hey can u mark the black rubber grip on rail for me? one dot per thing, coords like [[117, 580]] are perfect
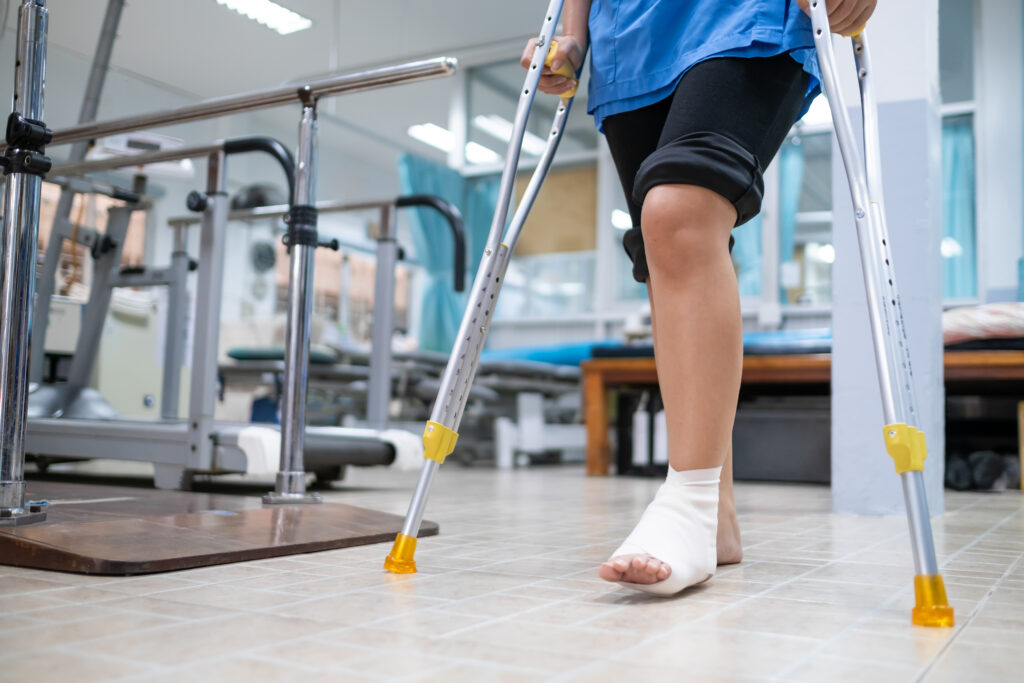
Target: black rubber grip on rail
[[126, 195], [454, 218], [271, 147]]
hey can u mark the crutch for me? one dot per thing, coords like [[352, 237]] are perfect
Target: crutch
[[442, 429], [904, 441]]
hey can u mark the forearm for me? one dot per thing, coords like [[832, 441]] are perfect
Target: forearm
[[575, 17]]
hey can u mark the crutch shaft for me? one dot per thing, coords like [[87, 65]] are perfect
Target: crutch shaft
[[904, 441], [441, 432]]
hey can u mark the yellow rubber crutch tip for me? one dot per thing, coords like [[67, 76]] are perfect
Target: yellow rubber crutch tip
[[400, 559], [932, 608]]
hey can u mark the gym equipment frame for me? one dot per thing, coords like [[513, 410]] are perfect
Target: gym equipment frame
[[25, 165]]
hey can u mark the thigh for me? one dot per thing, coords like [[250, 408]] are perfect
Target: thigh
[[632, 136], [752, 101]]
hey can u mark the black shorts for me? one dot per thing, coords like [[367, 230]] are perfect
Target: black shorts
[[720, 129]]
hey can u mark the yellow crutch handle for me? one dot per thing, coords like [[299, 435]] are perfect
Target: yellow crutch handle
[[564, 70]]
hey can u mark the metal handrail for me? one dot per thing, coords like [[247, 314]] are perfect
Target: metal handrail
[[261, 99]]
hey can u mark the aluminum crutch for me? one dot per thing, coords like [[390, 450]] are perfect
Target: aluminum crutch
[[442, 430], [903, 440]]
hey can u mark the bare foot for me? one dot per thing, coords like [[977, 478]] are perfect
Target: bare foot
[[642, 569]]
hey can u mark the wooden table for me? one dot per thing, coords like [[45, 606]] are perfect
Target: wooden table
[[601, 375]]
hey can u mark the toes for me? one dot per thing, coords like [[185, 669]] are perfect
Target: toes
[[652, 566], [663, 572], [609, 572]]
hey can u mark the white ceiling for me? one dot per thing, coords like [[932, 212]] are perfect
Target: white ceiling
[[205, 50]]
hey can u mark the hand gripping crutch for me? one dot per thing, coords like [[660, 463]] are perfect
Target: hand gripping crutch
[[904, 442], [442, 430]]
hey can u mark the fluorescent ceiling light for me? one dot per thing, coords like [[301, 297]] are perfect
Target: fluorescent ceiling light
[[443, 139], [478, 154], [433, 135], [621, 220], [500, 128], [270, 14]]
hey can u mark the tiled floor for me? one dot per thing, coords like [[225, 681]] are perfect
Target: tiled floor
[[508, 591]]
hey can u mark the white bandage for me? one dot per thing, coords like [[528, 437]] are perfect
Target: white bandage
[[679, 528]]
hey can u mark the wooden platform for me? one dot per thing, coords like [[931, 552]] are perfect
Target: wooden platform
[[119, 530]]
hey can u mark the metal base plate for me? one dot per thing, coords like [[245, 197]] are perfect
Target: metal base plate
[[276, 498], [23, 518]]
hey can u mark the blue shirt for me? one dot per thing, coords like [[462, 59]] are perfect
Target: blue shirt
[[640, 49]]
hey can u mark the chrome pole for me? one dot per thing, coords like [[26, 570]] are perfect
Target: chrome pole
[[22, 192], [378, 395], [290, 487], [90, 103]]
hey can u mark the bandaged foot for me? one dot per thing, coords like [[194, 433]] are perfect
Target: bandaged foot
[[673, 545]]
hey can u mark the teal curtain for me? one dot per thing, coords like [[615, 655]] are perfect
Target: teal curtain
[[441, 308], [959, 248], [746, 255], [791, 181]]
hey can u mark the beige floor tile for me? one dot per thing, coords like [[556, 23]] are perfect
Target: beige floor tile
[[64, 666], [172, 645], [15, 603], [311, 653], [396, 664], [786, 617], [241, 669], [723, 653], [526, 635], [495, 605], [475, 673], [147, 604], [355, 608], [622, 672], [228, 597], [838, 670], [912, 648], [965, 662], [654, 618]]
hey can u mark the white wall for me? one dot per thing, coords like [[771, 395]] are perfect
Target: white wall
[[999, 62]]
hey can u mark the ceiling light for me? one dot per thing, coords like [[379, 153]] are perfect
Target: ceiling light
[[621, 220], [478, 154], [270, 14], [443, 139], [501, 128], [433, 135]]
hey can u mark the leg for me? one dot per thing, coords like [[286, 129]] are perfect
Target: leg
[[698, 348], [729, 545]]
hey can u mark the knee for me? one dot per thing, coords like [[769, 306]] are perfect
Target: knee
[[684, 222]]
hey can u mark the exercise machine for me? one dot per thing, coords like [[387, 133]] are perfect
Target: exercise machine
[[25, 165]]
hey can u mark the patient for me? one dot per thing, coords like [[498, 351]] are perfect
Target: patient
[[695, 98]]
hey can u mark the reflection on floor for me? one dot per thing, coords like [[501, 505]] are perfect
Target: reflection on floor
[[508, 591]]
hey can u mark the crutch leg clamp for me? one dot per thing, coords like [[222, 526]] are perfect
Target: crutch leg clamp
[[438, 442], [906, 446]]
